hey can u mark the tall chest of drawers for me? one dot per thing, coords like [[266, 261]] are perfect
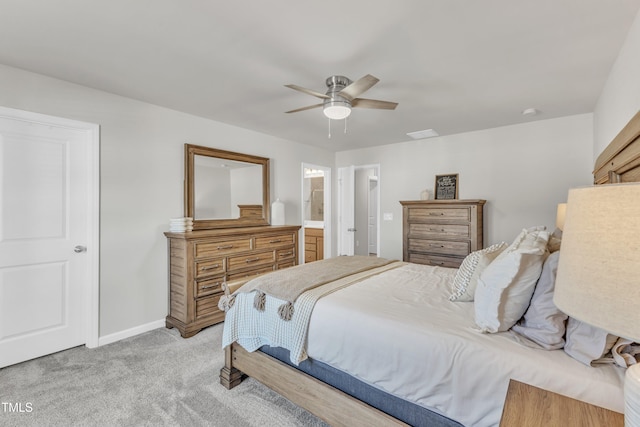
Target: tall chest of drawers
[[201, 261], [441, 232]]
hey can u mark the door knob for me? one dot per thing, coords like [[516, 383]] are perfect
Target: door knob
[[78, 249]]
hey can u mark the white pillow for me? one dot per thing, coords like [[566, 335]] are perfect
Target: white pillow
[[543, 323], [505, 287], [464, 284], [586, 343]]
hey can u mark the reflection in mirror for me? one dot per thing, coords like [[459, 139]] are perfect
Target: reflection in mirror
[[225, 189], [313, 194], [222, 187]]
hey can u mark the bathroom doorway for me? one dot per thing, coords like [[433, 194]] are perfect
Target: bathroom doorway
[[316, 212]]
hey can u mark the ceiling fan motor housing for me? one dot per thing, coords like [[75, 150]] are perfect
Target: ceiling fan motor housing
[[335, 85]]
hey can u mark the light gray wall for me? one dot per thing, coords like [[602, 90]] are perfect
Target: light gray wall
[[141, 175], [523, 172], [620, 98]]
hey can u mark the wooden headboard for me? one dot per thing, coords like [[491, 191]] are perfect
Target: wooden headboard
[[620, 160]]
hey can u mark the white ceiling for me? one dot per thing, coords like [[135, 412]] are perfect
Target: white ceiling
[[452, 65]]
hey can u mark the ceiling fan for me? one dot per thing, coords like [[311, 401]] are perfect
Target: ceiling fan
[[342, 94]]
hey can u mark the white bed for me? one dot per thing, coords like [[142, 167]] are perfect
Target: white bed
[[399, 332], [405, 337]]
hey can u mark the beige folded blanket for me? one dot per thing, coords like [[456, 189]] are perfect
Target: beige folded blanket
[[289, 283]]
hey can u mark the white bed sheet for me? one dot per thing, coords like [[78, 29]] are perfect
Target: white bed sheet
[[406, 338]]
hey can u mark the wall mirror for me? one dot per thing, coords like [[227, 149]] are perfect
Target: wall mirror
[[225, 189]]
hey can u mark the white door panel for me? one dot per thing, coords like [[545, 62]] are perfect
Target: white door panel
[[346, 209], [373, 216], [45, 211]]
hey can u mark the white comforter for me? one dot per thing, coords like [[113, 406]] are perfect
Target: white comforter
[[399, 332], [405, 337]]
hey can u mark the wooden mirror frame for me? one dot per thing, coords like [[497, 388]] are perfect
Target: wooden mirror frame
[[190, 151]]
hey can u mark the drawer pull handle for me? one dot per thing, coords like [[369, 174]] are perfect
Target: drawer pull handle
[[437, 263], [436, 214], [210, 267], [275, 241], [224, 247], [286, 254], [437, 246], [249, 260], [210, 286]]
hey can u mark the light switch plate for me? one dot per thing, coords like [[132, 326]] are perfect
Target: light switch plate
[[387, 216]]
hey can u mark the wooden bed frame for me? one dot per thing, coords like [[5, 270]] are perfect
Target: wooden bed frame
[[619, 162]]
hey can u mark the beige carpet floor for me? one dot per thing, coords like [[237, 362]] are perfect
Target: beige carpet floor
[[153, 379]]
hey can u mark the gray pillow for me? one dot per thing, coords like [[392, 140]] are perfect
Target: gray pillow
[[586, 343], [543, 323]]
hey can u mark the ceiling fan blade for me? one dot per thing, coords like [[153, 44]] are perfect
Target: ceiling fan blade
[[308, 91], [358, 87], [373, 103], [304, 108]]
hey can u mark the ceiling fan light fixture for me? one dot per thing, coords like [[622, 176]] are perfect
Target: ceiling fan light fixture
[[336, 109]]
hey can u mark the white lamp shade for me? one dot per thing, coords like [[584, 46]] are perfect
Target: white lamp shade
[[598, 279], [560, 215]]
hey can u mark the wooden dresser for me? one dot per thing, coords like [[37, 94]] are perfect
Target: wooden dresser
[[441, 232], [200, 261]]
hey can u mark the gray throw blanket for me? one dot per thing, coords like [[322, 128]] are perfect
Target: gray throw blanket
[[289, 283]]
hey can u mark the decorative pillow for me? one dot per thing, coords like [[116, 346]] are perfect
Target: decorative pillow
[[625, 352], [586, 343], [543, 323], [555, 240], [464, 284], [505, 287]]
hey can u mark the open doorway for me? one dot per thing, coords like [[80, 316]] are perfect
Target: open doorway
[[359, 210], [316, 212]]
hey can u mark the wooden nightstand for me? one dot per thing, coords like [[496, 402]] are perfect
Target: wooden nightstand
[[529, 406]]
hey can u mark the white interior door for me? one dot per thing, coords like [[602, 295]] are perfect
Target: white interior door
[[48, 235], [346, 210], [373, 215]]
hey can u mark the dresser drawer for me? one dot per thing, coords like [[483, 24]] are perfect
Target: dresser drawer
[[310, 256], [248, 274], [440, 231], [285, 264], [212, 249], [248, 260], [208, 307], [440, 247], [209, 267], [285, 254], [275, 240], [435, 260], [437, 214], [208, 286]]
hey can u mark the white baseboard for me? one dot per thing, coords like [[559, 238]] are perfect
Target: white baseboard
[[108, 339]]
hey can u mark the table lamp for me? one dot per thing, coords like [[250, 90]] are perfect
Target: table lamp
[[598, 278], [560, 215]]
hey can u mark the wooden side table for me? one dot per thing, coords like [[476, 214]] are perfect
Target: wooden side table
[[529, 406]]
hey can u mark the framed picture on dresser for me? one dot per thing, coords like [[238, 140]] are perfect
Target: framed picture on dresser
[[446, 187]]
